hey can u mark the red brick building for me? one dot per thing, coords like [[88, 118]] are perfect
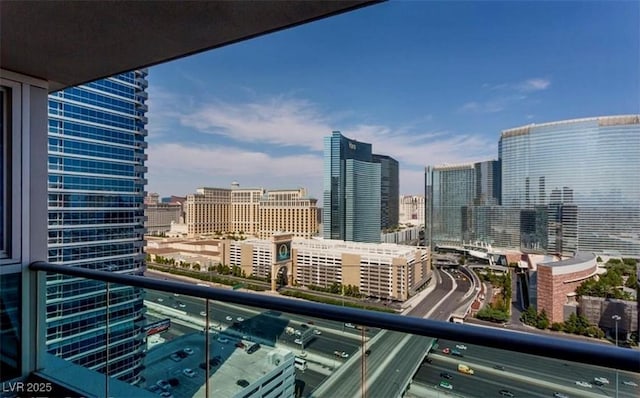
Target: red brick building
[[557, 281]]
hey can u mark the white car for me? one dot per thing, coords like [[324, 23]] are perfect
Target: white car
[[188, 372], [160, 299], [602, 380], [182, 305], [461, 346], [176, 294], [223, 340], [630, 383], [584, 384], [350, 325], [163, 384], [188, 350], [203, 313], [298, 341], [240, 319], [229, 318], [341, 354], [317, 332], [560, 395]]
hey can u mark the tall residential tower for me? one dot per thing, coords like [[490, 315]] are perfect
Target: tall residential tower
[[96, 221], [352, 184]]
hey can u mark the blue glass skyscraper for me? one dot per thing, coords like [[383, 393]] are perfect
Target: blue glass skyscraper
[[389, 191], [96, 157], [351, 208], [584, 174]]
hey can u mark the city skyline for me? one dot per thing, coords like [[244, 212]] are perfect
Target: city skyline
[[255, 112]]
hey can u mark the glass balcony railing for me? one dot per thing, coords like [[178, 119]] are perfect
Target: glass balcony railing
[[199, 341]]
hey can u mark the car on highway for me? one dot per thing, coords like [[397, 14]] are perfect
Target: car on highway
[[240, 319], [367, 352], [303, 326], [223, 340], [188, 372], [240, 344], [602, 380], [317, 332], [446, 350], [229, 318], [560, 395], [298, 341], [341, 354], [350, 325], [584, 384], [499, 367], [176, 294], [446, 384], [630, 383], [203, 313], [175, 357], [507, 393], [188, 350], [242, 383], [456, 353], [160, 299], [298, 333], [598, 383], [461, 346], [446, 375], [181, 305]]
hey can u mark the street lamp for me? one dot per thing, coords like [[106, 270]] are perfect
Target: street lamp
[[616, 318]]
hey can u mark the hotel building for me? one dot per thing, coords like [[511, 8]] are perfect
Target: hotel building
[[290, 211], [386, 271]]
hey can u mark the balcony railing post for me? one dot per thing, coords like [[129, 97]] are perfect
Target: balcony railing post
[[106, 373]]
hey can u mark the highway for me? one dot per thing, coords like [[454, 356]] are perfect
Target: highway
[[524, 375], [393, 354]]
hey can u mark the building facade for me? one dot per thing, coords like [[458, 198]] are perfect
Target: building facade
[[583, 174], [389, 190], [159, 216], [96, 157], [208, 211], [411, 209], [245, 213], [351, 191], [386, 271], [289, 211]]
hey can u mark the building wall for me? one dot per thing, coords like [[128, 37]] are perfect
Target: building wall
[[412, 209], [362, 201], [208, 211], [159, 217], [288, 211], [245, 210], [556, 282], [603, 155], [350, 268], [389, 190], [96, 219]]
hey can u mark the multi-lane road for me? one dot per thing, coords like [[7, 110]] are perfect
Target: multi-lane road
[[393, 357]]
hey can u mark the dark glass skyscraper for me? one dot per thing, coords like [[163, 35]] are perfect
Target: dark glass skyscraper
[[389, 190], [96, 190], [351, 208]]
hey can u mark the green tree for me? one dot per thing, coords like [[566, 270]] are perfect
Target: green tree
[[542, 321], [599, 259], [557, 326]]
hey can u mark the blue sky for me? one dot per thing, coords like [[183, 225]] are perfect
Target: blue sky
[[425, 82]]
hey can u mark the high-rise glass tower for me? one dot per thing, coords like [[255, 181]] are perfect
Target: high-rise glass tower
[[351, 208], [96, 220], [584, 174], [389, 190]]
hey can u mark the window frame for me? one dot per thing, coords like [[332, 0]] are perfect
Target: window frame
[[11, 158]]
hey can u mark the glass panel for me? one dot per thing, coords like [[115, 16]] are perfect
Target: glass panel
[[10, 329], [174, 359], [76, 333]]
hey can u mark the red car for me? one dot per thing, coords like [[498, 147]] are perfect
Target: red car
[[446, 351]]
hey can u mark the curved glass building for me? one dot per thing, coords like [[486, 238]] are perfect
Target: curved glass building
[[96, 220], [577, 183]]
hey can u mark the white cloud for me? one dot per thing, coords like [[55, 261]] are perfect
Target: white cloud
[[536, 84], [278, 123], [179, 169]]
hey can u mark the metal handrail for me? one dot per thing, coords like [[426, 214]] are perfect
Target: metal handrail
[[535, 344]]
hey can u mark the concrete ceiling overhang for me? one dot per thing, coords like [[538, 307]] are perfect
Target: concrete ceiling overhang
[[72, 42]]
